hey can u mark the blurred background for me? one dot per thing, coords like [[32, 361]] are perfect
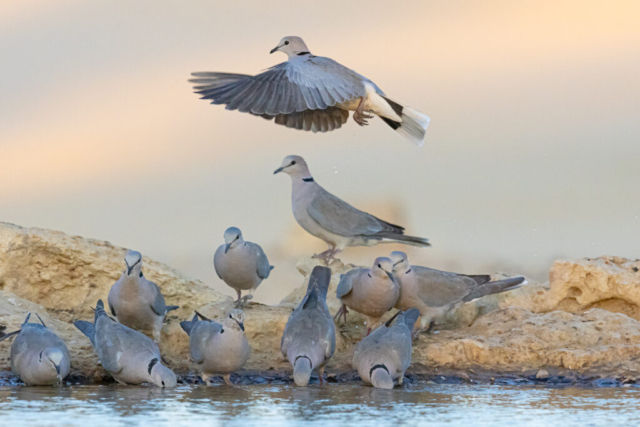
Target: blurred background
[[532, 154]]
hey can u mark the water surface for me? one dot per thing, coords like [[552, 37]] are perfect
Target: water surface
[[270, 405]]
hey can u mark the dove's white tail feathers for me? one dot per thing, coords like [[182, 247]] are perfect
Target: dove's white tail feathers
[[413, 126]]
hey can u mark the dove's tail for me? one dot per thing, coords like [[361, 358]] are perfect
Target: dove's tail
[[413, 126], [187, 325], [87, 328], [401, 238], [495, 287]]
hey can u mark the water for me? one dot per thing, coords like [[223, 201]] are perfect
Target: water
[[270, 405]]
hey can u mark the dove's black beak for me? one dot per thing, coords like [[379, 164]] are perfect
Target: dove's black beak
[[389, 274], [241, 325], [278, 170], [275, 49], [57, 369], [226, 247]]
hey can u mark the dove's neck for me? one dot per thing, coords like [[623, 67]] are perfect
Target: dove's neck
[[303, 54]]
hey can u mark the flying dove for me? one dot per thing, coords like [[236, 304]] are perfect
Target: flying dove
[[382, 357], [38, 355], [241, 265], [128, 355], [434, 293], [309, 338], [218, 349], [137, 302], [331, 219], [309, 92], [369, 291]]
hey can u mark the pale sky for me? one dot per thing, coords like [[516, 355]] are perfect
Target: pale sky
[[532, 153]]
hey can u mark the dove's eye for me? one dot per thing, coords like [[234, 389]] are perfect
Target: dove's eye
[[293, 162], [379, 266], [141, 274], [287, 42]]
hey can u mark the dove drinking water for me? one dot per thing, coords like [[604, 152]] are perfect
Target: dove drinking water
[[38, 355], [309, 92], [217, 348], [382, 357], [128, 355], [309, 338]]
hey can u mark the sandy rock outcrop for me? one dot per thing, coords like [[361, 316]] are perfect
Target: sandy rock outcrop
[[584, 320]]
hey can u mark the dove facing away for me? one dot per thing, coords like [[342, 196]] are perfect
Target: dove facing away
[[333, 220], [217, 348], [241, 265], [137, 302], [382, 357], [434, 293], [309, 338], [129, 356], [369, 291], [38, 355], [310, 93]]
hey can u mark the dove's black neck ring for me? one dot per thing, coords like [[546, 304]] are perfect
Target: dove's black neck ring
[[408, 271], [302, 355], [304, 53], [310, 179], [379, 366], [152, 364]]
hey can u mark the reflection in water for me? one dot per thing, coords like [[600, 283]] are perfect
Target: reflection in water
[[415, 404]]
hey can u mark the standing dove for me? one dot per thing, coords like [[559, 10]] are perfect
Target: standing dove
[[369, 291], [309, 338], [137, 302], [309, 92], [38, 355], [434, 293], [128, 355], [241, 265], [333, 220], [218, 349], [382, 357]]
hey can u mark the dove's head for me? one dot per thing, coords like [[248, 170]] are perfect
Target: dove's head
[[53, 359], [302, 370], [235, 319], [400, 262], [232, 238], [383, 268], [380, 377], [295, 167], [160, 375], [292, 46], [133, 259]]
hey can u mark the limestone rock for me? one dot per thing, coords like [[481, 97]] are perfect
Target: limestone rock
[[586, 319]]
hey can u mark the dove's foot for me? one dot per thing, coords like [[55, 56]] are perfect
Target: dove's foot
[[242, 301], [342, 312], [360, 116], [320, 374], [227, 380], [327, 256]]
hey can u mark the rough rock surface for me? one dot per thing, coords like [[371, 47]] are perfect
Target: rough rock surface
[[584, 321]]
